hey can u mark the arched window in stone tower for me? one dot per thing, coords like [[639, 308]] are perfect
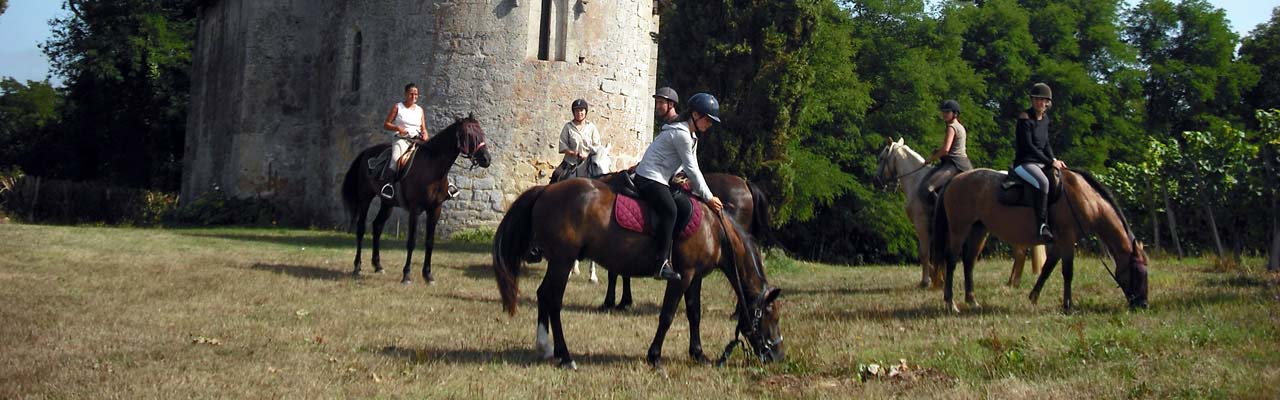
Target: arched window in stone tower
[[553, 29], [356, 56]]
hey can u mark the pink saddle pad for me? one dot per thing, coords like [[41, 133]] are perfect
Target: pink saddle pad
[[631, 215]]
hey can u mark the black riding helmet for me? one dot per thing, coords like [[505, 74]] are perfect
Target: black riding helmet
[[579, 104], [706, 104], [1041, 90], [950, 105]]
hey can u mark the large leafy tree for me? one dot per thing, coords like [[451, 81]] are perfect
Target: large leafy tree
[[1262, 49], [125, 64], [27, 113]]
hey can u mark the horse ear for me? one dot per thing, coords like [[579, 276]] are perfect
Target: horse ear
[[888, 140], [771, 295], [900, 140]]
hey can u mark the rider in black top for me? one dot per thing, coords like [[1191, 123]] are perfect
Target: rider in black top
[[1032, 153]]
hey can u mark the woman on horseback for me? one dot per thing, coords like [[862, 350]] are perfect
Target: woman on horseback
[[576, 139], [671, 151], [1032, 153], [408, 122], [952, 153]]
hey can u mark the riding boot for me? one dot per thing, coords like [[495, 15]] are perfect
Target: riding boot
[[389, 176], [665, 272], [1041, 207]]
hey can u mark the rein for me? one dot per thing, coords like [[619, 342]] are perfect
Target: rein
[[738, 332], [1080, 226]]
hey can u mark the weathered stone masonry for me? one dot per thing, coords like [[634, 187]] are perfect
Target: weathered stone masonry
[[285, 93]]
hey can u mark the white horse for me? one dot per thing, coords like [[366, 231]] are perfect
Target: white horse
[[597, 163], [897, 162]]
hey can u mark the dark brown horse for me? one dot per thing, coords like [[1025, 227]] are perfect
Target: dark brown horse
[[968, 210], [743, 202], [424, 187], [573, 220]]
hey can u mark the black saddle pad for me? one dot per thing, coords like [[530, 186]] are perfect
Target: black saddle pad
[[1015, 192]]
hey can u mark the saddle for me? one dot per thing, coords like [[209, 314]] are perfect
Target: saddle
[[1015, 192], [379, 162], [633, 214]]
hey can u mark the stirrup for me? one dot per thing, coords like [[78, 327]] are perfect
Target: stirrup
[[388, 191], [1046, 234], [453, 191], [665, 272]]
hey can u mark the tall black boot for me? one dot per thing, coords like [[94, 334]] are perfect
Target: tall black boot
[[665, 271], [1041, 207]]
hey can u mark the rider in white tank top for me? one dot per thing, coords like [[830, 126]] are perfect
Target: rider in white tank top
[[409, 118]]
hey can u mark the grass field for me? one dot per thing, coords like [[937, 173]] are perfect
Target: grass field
[[93, 312]]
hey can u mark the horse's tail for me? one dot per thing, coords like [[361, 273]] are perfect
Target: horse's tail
[[351, 190], [760, 217], [939, 232], [510, 243]]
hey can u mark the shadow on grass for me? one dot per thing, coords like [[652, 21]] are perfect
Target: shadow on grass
[[303, 271], [847, 291], [330, 241], [642, 308], [480, 357], [921, 312]]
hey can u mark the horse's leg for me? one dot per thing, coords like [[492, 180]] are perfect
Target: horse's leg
[[551, 296], [575, 268], [1019, 260], [379, 221], [693, 309], [608, 293], [922, 248], [593, 278], [363, 215], [433, 217], [408, 245], [1037, 258], [625, 303], [670, 301], [1068, 272], [949, 279], [543, 341], [1049, 263], [972, 247]]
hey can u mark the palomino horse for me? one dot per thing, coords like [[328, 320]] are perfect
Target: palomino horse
[[574, 219], [969, 210], [424, 187], [899, 163], [743, 201]]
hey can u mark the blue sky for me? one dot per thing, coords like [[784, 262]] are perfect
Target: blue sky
[[26, 24]]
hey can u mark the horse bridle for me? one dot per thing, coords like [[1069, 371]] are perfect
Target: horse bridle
[[750, 309], [894, 181], [463, 135], [1133, 254]]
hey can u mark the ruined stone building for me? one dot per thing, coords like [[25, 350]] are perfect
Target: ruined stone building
[[285, 93]]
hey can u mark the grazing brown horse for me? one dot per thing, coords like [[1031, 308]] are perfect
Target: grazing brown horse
[[424, 187], [743, 202], [969, 210], [574, 219]]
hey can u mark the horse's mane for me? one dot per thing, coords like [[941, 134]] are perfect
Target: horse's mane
[[749, 245], [1107, 195]]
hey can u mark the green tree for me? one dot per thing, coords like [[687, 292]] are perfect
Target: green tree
[[4, 6], [125, 64], [27, 113], [1262, 49], [1188, 51], [1269, 125]]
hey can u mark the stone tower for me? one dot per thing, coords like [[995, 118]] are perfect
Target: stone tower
[[285, 93]]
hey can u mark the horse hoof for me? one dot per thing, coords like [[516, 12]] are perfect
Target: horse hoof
[[952, 307], [1034, 297], [623, 306], [406, 282], [974, 304], [700, 359], [569, 365], [924, 284], [606, 307], [594, 279]]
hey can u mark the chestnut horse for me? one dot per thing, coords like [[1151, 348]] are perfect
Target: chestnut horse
[[899, 164], [573, 220], [424, 187], [743, 201], [969, 209]]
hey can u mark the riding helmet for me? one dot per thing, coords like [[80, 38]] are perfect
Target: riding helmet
[[579, 104], [950, 105], [706, 104], [667, 93], [1041, 90]]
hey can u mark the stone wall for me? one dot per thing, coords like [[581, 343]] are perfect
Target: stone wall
[[286, 93]]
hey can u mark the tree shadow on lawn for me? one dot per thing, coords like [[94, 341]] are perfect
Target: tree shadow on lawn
[[504, 356], [303, 271], [328, 241]]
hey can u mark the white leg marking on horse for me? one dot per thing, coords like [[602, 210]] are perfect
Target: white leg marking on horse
[[543, 342], [593, 273], [575, 268]]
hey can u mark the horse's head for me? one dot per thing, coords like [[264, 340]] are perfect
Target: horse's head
[[599, 162], [1132, 277], [471, 141], [760, 326], [886, 168]]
